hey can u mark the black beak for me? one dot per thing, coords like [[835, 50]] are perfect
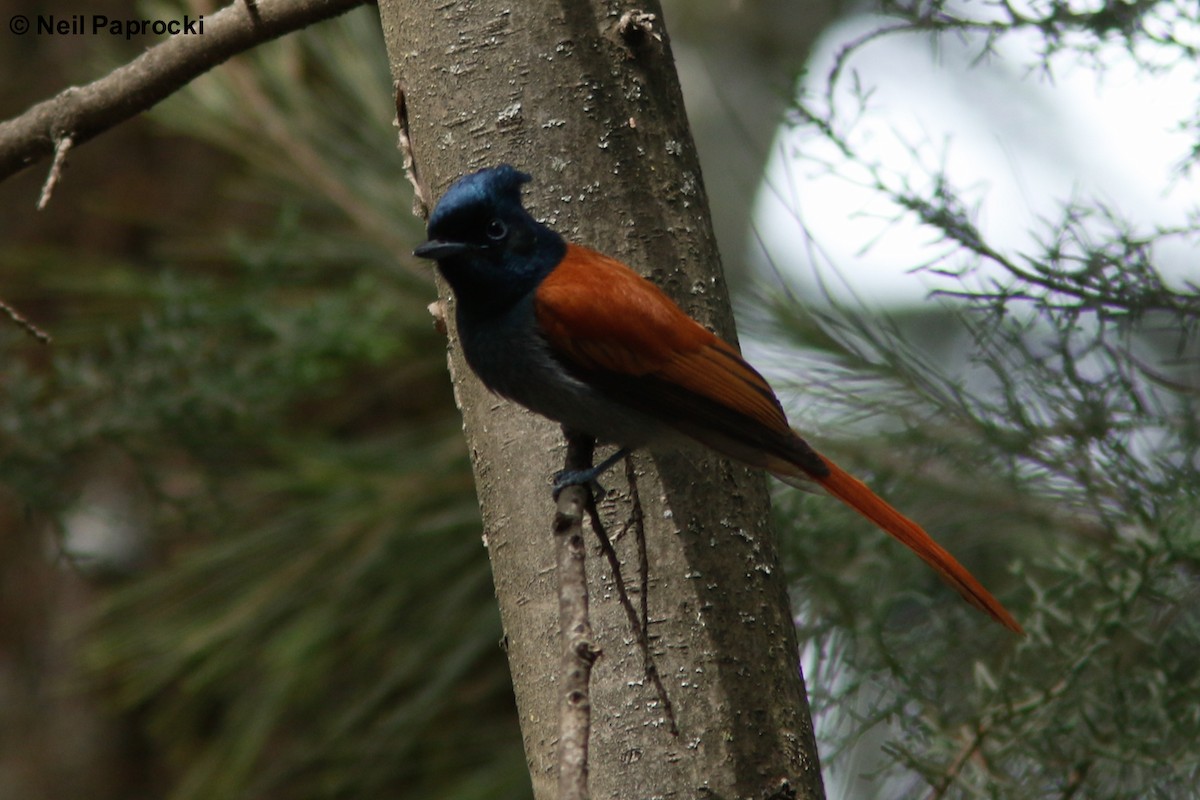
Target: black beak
[[437, 249]]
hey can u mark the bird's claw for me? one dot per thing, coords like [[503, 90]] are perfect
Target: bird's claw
[[587, 477], [578, 477]]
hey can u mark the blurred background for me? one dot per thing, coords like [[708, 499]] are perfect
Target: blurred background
[[239, 543]]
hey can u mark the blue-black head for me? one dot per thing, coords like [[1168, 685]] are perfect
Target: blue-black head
[[488, 247]]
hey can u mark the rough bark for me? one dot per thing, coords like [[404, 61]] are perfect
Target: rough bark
[[593, 111]]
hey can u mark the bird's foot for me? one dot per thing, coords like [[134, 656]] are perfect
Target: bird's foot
[[579, 477], [586, 477]]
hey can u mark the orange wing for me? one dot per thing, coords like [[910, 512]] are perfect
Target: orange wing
[[617, 330]]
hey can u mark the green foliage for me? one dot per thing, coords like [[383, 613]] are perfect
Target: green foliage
[[1048, 437], [308, 611]]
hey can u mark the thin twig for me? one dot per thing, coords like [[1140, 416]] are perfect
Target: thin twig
[[82, 113], [637, 521], [579, 650], [640, 629], [26, 325], [950, 774]]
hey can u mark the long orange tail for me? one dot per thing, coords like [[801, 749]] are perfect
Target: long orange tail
[[857, 495]]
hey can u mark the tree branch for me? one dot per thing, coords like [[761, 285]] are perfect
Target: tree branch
[[80, 113], [579, 651]]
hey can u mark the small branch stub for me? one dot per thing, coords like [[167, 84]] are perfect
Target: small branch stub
[[61, 148], [437, 310], [636, 28]]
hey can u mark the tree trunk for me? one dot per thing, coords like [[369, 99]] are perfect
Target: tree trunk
[[595, 114]]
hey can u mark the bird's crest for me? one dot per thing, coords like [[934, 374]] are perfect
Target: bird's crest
[[487, 189]]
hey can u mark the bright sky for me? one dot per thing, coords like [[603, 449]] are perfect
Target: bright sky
[[1016, 141]]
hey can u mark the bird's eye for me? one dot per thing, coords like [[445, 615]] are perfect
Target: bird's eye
[[496, 230]]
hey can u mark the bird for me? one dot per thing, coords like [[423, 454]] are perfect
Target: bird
[[581, 338]]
